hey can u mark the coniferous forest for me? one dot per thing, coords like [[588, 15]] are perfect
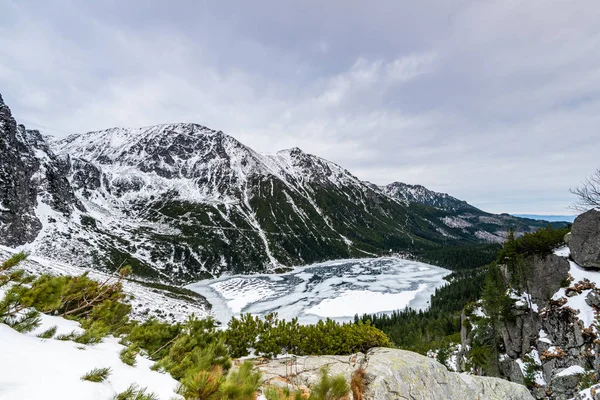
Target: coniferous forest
[[474, 276], [421, 331]]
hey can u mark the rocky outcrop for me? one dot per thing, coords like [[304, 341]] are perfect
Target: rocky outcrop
[[519, 332], [30, 174], [548, 273], [18, 194], [584, 241], [393, 374], [397, 374]]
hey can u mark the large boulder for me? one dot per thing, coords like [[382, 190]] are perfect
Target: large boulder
[[399, 374], [393, 374], [585, 239]]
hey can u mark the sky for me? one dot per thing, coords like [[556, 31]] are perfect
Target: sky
[[496, 102]]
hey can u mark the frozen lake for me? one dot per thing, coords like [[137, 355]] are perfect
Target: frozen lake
[[334, 289]]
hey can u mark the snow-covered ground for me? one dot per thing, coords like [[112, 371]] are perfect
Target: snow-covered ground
[[145, 301], [577, 302], [335, 289], [32, 368]]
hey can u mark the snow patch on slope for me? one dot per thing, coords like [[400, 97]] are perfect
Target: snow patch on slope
[[34, 368]]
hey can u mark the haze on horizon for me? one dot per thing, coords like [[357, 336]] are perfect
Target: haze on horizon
[[496, 102]]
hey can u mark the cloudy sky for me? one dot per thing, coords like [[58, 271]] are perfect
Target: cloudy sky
[[494, 102]]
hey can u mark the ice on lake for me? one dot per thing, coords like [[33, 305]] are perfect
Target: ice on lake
[[335, 289]]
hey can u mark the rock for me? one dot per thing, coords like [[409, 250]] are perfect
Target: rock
[[18, 194], [548, 273], [564, 387], [511, 370], [393, 374], [585, 239], [398, 374], [30, 173], [304, 371], [593, 298], [520, 332]]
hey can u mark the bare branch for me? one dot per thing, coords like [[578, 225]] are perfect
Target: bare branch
[[588, 193]]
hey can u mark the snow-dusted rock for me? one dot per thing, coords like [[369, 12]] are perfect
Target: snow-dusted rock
[[585, 239]]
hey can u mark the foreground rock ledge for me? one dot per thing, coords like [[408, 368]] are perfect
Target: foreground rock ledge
[[394, 374]]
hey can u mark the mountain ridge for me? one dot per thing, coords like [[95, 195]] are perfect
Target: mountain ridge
[[182, 202]]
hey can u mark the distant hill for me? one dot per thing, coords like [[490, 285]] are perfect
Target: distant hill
[[460, 217], [563, 218]]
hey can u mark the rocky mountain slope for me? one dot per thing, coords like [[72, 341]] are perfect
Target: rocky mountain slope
[[182, 202], [459, 215], [549, 337]]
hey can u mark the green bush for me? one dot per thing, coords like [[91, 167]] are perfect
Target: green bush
[[48, 333], [204, 385], [239, 384], [13, 261], [271, 336], [133, 392], [277, 393], [197, 347], [128, 354], [23, 322], [329, 388], [242, 383], [97, 305], [97, 375], [541, 243], [154, 336]]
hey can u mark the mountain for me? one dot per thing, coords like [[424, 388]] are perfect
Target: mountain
[[422, 195], [182, 202], [459, 215]]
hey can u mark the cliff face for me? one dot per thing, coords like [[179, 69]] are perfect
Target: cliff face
[[549, 340], [18, 195], [393, 374]]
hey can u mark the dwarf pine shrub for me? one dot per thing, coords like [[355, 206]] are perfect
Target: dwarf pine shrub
[[13, 261], [277, 393], [97, 375], [24, 322], [270, 336], [128, 354], [133, 392], [48, 333], [329, 388], [242, 383]]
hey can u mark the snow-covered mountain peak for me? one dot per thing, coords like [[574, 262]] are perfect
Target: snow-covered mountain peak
[[305, 167], [121, 144], [422, 195]]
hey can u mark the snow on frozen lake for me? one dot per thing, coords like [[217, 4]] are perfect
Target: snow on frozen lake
[[334, 289]]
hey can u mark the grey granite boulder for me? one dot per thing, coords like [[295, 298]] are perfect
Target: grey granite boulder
[[393, 374], [585, 239], [399, 374]]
